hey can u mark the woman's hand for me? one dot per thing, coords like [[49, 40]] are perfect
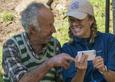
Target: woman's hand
[[81, 64]]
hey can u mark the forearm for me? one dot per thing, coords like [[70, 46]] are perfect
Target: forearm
[[37, 74], [79, 77], [109, 76]]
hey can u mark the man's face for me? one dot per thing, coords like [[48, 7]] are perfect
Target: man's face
[[80, 28], [45, 21]]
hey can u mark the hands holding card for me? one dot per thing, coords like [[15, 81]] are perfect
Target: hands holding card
[[81, 62], [83, 57], [90, 53]]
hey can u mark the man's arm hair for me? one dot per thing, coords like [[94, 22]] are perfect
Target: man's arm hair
[[37, 74]]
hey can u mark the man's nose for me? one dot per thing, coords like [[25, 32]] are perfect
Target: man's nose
[[53, 30]]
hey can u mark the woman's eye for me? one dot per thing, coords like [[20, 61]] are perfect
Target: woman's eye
[[72, 20]]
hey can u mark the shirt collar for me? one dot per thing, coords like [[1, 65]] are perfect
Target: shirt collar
[[78, 39]]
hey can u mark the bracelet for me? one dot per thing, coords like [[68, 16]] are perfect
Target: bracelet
[[104, 70]]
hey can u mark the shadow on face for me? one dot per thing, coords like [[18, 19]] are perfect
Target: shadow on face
[[46, 27], [80, 28]]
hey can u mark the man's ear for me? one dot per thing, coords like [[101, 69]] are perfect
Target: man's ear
[[31, 29]]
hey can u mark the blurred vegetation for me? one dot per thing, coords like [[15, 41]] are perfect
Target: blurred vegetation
[[1, 71], [6, 16], [99, 8]]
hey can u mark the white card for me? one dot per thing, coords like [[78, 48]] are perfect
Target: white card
[[91, 54]]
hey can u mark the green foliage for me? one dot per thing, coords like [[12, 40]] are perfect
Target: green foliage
[[1, 72], [1, 78], [99, 10], [0, 54], [6, 16], [62, 30]]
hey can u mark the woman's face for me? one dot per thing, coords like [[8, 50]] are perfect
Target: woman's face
[[80, 28]]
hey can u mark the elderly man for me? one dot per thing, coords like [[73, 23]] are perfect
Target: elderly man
[[85, 39], [31, 56]]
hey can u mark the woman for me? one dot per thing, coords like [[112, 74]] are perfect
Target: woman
[[84, 36]]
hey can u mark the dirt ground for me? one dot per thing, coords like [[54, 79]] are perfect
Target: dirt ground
[[7, 29], [10, 28]]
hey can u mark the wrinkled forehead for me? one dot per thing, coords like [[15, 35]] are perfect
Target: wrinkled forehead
[[45, 11], [45, 15]]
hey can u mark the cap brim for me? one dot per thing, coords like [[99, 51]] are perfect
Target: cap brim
[[76, 14]]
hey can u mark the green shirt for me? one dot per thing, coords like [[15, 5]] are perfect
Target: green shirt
[[19, 58]]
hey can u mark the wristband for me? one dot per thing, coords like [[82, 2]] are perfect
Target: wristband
[[104, 70]]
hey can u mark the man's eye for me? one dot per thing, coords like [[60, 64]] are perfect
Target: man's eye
[[72, 27], [72, 20], [51, 25]]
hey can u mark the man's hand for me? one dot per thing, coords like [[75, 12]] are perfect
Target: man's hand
[[60, 60]]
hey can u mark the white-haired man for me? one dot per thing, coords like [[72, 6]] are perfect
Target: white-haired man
[[31, 56]]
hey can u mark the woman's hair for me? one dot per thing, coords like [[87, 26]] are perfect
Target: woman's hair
[[93, 30]]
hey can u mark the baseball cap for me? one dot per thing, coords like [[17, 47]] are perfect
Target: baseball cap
[[80, 9]]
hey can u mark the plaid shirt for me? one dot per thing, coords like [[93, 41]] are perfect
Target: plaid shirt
[[19, 58]]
